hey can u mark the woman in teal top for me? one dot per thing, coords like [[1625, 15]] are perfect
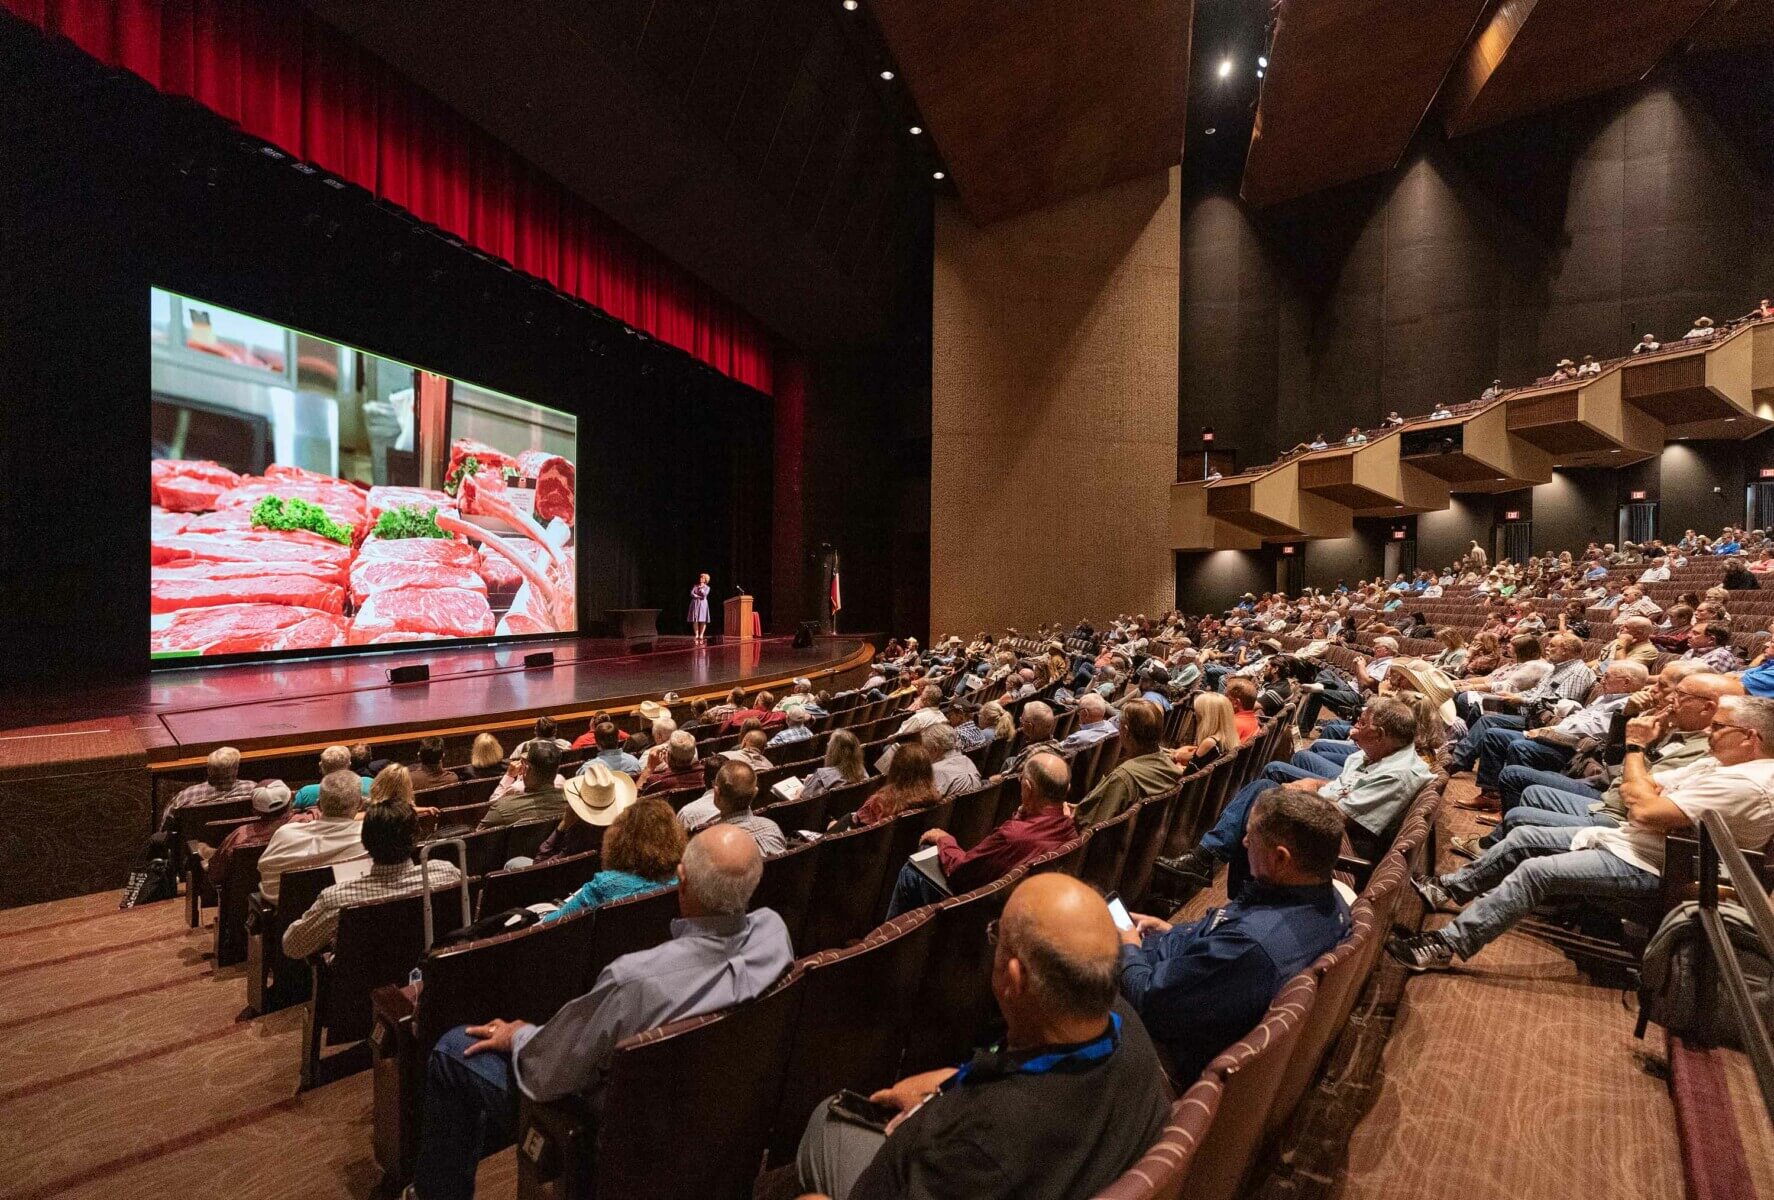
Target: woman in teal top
[[640, 854]]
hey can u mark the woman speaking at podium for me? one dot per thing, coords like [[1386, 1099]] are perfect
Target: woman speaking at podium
[[698, 617]]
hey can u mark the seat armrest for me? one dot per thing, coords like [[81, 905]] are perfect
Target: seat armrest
[[553, 1149]]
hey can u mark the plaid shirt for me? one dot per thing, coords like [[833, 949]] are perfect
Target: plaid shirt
[[205, 793], [314, 930], [1569, 680]]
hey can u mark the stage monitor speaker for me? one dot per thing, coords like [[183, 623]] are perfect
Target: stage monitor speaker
[[417, 673], [542, 658], [804, 634]]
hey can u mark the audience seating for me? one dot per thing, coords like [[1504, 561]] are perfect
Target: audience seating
[[736, 1057], [378, 943], [536, 883], [1159, 1174], [232, 899]]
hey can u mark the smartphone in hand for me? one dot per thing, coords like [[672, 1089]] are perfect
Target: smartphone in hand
[[1118, 911], [858, 1109]]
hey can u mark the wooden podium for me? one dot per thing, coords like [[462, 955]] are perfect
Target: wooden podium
[[736, 619]]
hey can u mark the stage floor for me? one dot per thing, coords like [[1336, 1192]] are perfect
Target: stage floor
[[182, 714]]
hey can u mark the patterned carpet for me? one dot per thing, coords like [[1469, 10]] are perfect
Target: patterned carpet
[[127, 1070]]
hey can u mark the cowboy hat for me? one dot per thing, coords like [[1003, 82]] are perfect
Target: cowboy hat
[[598, 794], [1565, 362], [652, 710], [1703, 322]]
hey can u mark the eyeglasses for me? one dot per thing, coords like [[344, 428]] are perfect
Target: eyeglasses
[[1721, 726]]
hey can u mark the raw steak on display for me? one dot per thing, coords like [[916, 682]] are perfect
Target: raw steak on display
[[501, 573], [343, 502], [188, 485], [388, 574], [248, 629], [324, 571], [447, 551], [174, 590], [427, 611], [251, 546], [164, 524], [463, 449], [384, 497], [554, 483]]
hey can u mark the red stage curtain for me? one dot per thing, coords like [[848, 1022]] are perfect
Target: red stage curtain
[[287, 77]]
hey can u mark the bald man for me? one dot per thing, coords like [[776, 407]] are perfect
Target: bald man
[[1071, 1099], [718, 956]]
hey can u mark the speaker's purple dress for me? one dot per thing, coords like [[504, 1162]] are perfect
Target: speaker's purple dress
[[698, 605]]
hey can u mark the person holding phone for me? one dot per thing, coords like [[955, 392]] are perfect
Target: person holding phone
[[1069, 1100], [1202, 986]]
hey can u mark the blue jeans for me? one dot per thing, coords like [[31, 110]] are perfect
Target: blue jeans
[[1535, 863], [1215, 676], [470, 1112], [1335, 749], [1467, 752], [1517, 780], [1340, 699], [1317, 765], [1506, 747], [913, 889], [1226, 839], [1335, 730]]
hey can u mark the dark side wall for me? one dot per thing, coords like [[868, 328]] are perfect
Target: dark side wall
[[1490, 256]]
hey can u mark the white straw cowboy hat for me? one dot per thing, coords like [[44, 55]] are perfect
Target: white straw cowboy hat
[[599, 794], [652, 710]]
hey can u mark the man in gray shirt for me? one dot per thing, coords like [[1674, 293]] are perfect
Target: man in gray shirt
[[718, 956], [729, 803]]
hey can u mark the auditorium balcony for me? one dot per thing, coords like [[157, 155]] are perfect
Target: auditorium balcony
[[1717, 388]]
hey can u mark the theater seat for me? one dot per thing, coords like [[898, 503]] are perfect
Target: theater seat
[[1251, 1071], [957, 1011], [537, 883], [659, 1138], [1160, 1172], [850, 1024], [786, 888], [526, 975], [849, 880]]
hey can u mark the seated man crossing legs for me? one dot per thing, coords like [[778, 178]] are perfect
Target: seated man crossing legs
[[1551, 745], [1534, 864], [1372, 788], [1533, 797]]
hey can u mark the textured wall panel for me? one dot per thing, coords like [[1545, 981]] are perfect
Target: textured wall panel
[[1053, 410]]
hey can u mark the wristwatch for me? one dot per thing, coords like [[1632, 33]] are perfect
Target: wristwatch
[[1634, 748]]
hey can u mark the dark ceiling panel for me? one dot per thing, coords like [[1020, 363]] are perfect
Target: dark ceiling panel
[[1534, 54], [1347, 85], [748, 140], [1039, 100], [1735, 24]]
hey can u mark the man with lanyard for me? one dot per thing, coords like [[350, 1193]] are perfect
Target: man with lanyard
[[1070, 1099]]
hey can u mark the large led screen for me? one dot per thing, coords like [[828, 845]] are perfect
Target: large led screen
[[310, 497]]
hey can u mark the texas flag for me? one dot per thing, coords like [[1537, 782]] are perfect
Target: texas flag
[[836, 597]]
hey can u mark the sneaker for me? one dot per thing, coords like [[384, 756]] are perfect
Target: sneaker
[[1193, 869], [1466, 846], [1435, 897], [1426, 952], [1311, 687]]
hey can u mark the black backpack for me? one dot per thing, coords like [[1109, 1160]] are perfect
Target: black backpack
[[1680, 989], [154, 881]]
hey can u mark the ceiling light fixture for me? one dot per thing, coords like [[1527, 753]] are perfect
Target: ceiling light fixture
[[916, 130], [1209, 131], [1225, 67], [849, 5], [936, 175], [1259, 72], [1262, 60], [886, 74]]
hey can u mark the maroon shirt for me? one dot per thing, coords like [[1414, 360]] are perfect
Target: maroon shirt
[[1004, 849], [672, 781], [254, 833]]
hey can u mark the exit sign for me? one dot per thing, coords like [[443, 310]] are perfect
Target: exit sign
[[1513, 514], [1638, 495], [1398, 535], [1287, 551], [1767, 472]]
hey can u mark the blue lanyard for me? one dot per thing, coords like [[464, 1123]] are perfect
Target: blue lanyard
[[1041, 1064]]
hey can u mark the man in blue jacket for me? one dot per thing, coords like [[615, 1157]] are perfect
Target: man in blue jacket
[[1200, 987]]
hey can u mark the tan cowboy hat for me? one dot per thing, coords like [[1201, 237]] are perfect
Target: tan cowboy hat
[[599, 794], [1703, 322], [652, 710], [1565, 362]]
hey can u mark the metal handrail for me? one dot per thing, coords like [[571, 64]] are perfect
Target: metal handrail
[[1718, 847]]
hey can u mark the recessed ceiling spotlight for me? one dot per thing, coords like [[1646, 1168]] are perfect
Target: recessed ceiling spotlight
[[1225, 67], [936, 175], [1209, 131], [1259, 72], [1728, 420], [1613, 452], [849, 5], [916, 130], [886, 74], [1500, 479], [1262, 60]]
